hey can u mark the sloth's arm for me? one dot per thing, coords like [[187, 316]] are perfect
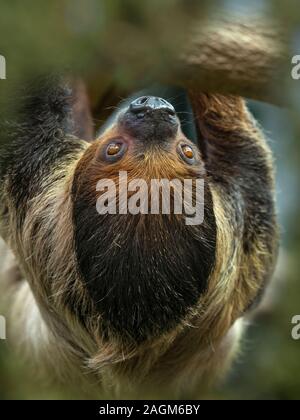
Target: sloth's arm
[[240, 174], [39, 142], [236, 155], [234, 148]]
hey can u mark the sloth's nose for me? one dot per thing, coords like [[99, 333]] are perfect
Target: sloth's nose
[[151, 103], [150, 118]]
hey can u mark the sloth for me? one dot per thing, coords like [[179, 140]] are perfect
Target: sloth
[[134, 303]]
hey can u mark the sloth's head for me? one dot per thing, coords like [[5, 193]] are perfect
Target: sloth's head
[[142, 257]]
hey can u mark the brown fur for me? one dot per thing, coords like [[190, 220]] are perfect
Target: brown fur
[[201, 347]]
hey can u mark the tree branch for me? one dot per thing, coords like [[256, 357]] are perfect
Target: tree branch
[[230, 57]]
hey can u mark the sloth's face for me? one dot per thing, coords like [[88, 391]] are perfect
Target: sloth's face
[[143, 265]]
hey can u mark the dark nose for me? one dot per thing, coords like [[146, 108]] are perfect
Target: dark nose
[[150, 118], [147, 103]]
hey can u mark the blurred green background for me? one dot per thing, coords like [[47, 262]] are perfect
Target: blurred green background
[[120, 40]]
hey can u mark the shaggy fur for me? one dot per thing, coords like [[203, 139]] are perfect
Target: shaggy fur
[[134, 303]]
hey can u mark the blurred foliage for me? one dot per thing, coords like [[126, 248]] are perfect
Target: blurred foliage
[[105, 40], [132, 42]]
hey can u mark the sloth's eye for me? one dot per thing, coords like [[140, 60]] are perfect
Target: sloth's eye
[[187, 153], [115, 150]]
